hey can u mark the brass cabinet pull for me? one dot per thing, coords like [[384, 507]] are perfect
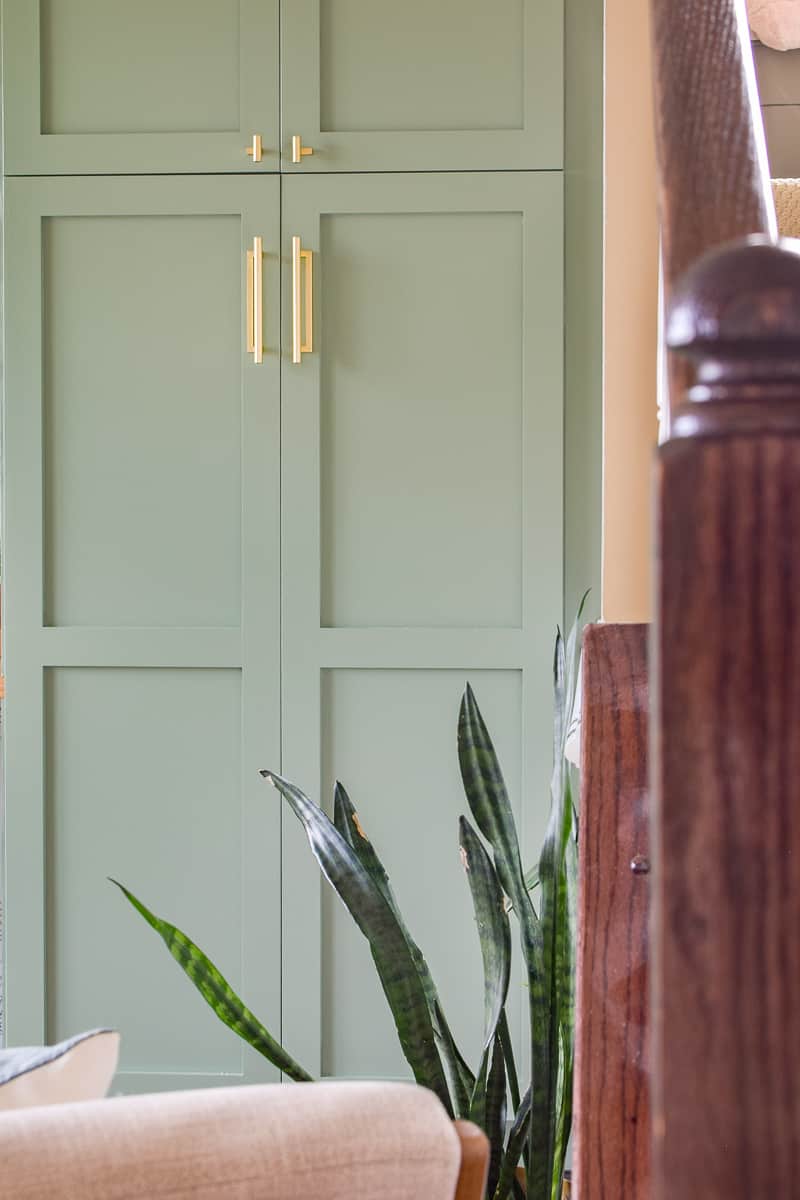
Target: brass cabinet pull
[[299, 151], [255, 301], [255, 150], [301, 346]]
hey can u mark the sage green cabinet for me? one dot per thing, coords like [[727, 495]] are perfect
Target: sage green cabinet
[[142, 605], [270, 512], [373, 85], [421, 547], [108, 86]]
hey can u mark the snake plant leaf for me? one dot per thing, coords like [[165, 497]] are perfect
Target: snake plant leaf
[[563, 1112], [566, 932], [346, 820], [488, 1109], [558, 879], [508, 1055], [487, 797], [494, 930], [461, 1078], [217, 992], [514, 1148], [532, 879], [372, 913], [572, 655], [348, 823], [560, 719], [488, 801]]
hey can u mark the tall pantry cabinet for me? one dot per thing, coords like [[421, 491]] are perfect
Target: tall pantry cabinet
[[282, 469]]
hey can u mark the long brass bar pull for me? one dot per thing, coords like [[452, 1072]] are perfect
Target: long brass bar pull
[[255, 300], [302, 345]]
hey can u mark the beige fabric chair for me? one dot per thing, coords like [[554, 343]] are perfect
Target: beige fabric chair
[[775, 22], [322, 1141], [787, 206]]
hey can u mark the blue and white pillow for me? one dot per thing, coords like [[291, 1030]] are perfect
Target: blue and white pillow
[[81, 1068]]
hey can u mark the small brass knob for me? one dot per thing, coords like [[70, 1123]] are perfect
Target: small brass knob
[[299, 151], [255, 151]]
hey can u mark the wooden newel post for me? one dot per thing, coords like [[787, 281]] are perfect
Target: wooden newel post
[[726, 739]]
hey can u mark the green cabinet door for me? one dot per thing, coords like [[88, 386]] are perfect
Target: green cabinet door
[[141, 592], [423, 85], [110, 87], [421, 547]]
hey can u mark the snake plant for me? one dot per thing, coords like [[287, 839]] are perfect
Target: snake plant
[[536, 1133]]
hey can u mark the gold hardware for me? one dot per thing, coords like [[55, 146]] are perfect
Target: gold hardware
[[299, 151], [256, 150], [255, 301], [299, 345]]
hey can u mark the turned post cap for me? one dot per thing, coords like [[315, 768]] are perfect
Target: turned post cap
[[741, 300], [736, 315]]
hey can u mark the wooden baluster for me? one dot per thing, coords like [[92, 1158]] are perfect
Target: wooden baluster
[[714, 181], [612, 1104], [726, 748]]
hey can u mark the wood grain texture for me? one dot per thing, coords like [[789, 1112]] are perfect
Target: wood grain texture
[[474, 1161], [726, 820], [714, 181], [612, 1144]]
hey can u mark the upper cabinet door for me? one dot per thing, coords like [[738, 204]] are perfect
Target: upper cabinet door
[[423, 85], [106, 86]]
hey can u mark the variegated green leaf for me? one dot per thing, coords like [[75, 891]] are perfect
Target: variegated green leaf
[[557, 903], [488, 801], [217, 992], [494, 931], [508, 1055], [369, 908], [488, 1108], [515, 1145], [487, 797], [563, 1113], [348, 823], [532, 879]]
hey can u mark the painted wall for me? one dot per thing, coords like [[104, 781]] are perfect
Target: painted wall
[[630, 307]]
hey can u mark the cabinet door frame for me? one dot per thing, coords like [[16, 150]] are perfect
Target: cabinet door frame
[[29, 151], [309, 648], [538, 146], [31, 646]]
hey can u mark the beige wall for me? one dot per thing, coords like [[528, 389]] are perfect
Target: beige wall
[[630, 313]]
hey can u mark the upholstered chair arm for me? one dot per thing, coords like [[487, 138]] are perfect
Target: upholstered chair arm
[[326, 1141]]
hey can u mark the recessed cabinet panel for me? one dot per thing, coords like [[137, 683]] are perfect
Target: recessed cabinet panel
[[421, 395], [390, 737], [142, 611], [142, 419], [467, 59], [422, 547], [106, 86], [108, 66], [372, 85], [144, 785]]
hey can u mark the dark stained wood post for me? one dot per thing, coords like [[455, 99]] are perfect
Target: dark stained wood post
[[713, 176], [714, 182], [726, 745], [612, 1105]]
